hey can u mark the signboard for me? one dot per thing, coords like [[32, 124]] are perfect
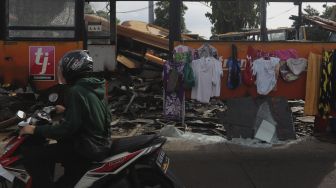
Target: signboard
[[95, 28], [42, 63]]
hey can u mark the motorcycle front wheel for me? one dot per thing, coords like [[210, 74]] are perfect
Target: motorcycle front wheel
[[16, 184]]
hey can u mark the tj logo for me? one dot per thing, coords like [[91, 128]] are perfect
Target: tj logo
[[42, 62], [45, 59]]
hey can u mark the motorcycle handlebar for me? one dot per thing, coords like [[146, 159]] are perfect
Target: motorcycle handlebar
[[20, 118], [7, 123]]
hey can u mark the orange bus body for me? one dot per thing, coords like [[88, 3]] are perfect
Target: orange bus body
[[14, 60]]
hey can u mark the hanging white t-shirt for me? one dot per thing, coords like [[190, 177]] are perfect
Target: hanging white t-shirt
[[217, 73], [194, 65], [203, 69], [265, 71], [208, 72]]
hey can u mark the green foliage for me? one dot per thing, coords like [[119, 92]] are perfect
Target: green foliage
[[314, 33], [103, 14], [328, 12], [310, 11], [88, 9], [162, 15], [317, 34], [229, 16]]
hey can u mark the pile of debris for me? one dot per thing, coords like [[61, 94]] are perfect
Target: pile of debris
[[137, 109], [304, 125], [13, 99], [136, 105]]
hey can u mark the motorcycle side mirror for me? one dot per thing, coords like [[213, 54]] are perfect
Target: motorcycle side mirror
[[21, 114]]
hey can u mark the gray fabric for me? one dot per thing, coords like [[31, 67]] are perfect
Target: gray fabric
[[235, 125], [297, 66], [244, 116], [283, 116], [241, 107], [264, 113]]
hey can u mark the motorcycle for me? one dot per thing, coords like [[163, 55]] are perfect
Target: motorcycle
[[135, 162]]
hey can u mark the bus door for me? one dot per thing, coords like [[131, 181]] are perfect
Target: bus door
[[100, 34]]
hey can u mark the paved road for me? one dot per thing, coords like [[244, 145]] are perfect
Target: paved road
[[308, 164]]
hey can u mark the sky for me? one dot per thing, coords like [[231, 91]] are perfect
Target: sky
[[196, 22]]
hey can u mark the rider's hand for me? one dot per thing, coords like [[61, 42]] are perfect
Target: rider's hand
[[59, 109], [29, 129]]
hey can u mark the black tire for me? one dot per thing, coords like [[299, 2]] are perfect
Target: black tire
[[16, 184], [151, 178]]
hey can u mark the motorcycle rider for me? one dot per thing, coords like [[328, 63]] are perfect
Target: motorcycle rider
[[84, 134]]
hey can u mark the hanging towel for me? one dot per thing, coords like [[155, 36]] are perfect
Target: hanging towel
[[333, 82], [313, 84], [325, 85]]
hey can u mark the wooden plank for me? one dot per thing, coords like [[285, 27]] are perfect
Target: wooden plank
[[128, 62], [154, 59], [148, 39]]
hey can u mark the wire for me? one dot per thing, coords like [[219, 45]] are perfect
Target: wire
[[204, 4], [135, 10], [281, 13]]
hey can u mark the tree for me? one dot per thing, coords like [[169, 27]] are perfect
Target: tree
[[330, 11], [310, 11], [313, 33], [88, 9], [162, 15], [103, 14], [228, 16]]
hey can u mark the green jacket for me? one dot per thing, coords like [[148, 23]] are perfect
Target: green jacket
[[86, 112]]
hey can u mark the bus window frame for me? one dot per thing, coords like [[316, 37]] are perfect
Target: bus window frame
[[113, 30], [77, 28], [2, 20]]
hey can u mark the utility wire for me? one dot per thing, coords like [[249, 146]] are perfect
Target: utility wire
[[204, 4], [281, 13], [135, 10]]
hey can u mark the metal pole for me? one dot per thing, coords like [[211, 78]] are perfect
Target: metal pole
[[298, 26], [175, 9], [113, 23], [150, 12], [263, 17]]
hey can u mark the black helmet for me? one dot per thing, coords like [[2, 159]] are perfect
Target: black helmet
[[76, 64]]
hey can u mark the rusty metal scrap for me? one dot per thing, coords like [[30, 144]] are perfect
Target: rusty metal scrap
[[324, 23]]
